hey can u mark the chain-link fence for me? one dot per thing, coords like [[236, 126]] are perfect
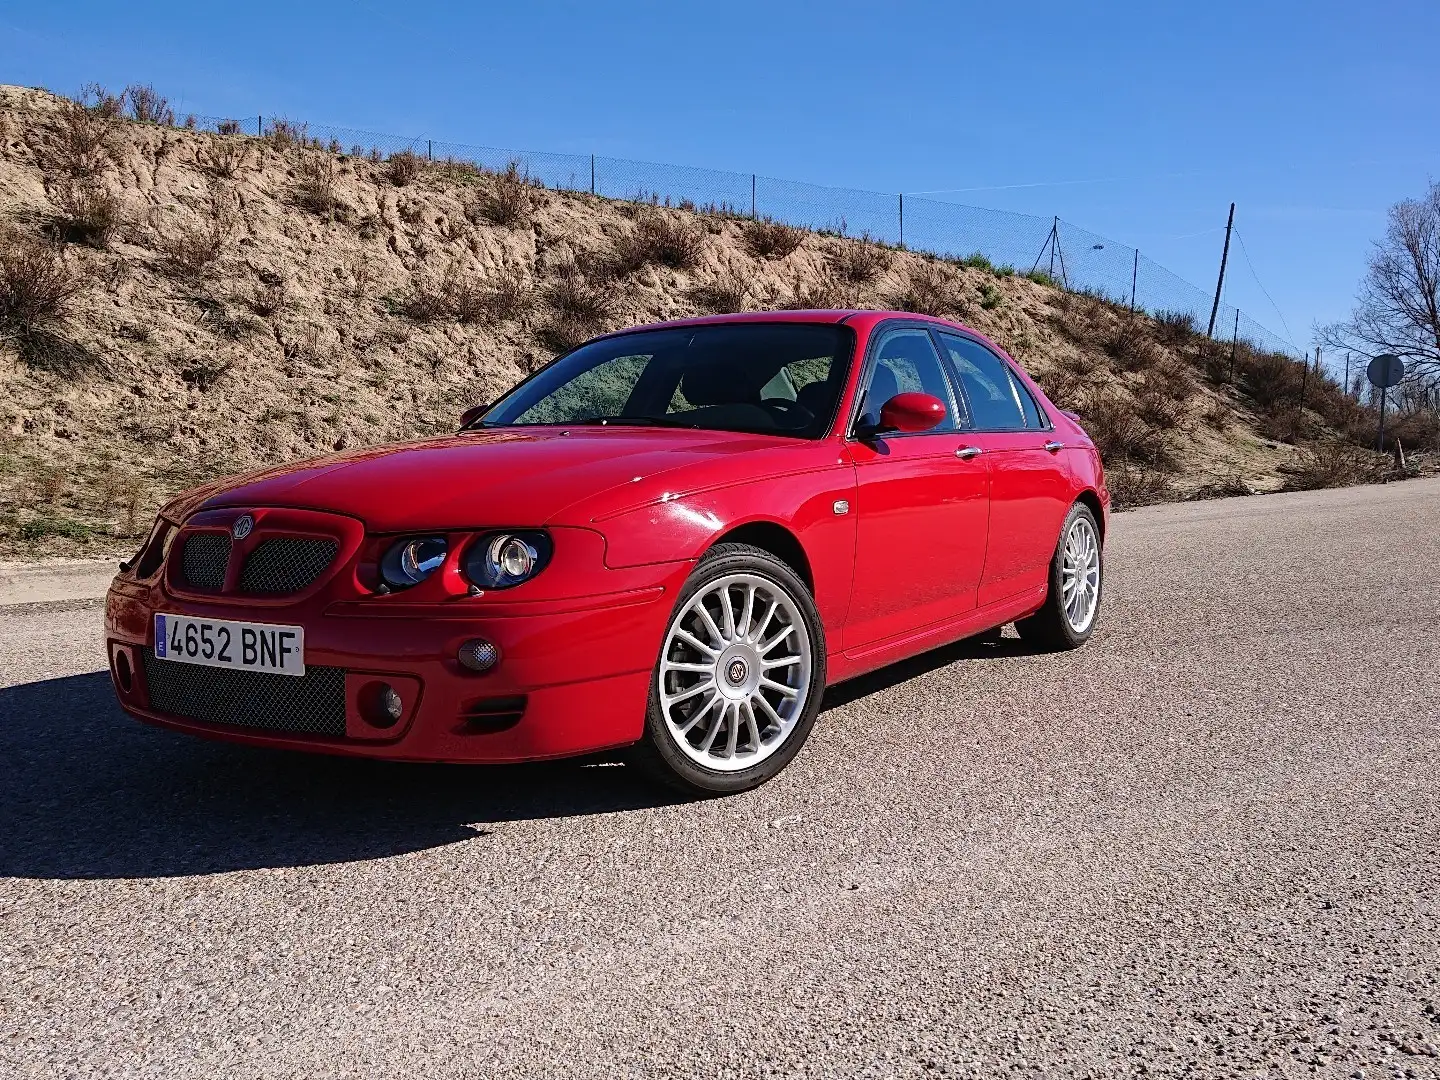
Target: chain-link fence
[[1073, 257]]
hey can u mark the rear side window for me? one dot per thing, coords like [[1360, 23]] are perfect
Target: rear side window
[[1034, 418], [994, 405]]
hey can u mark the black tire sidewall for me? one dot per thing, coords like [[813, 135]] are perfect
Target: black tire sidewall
[[1074, 638], [658, 745]]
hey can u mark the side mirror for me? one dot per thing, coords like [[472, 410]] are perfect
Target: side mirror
[[911, 412], [470, 415]]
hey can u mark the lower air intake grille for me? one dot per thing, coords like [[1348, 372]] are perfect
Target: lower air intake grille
[[286, 564], [313, 703], [204, 560]]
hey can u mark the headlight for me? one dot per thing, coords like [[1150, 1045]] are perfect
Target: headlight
[[410, 561], [501, 560]]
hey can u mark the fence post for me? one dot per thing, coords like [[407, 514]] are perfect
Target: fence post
[[902, 219], [592, 174], [752, 196], [1134, 277], [429, 150], [260, 124]]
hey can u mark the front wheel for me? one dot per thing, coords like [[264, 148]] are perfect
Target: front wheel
[[1072, 603], [738, 682]]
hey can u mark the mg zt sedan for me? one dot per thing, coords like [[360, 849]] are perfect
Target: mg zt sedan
[[671, 539]]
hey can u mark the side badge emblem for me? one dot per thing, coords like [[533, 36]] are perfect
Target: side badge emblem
[[842, 506]]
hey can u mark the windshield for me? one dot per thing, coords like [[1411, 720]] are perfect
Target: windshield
[[770, 378]]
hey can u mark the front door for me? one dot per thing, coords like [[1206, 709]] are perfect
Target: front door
[[1029, 486], [921, 507]]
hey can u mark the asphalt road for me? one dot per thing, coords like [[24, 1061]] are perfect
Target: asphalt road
[[1207, 844]]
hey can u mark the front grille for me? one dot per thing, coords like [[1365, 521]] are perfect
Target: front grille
[[313, 703], [204, 560], [286, 564]]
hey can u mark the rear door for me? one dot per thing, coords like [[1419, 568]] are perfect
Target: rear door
[[1030, 488], [921, 507]]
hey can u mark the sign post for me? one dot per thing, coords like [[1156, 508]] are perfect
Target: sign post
[[1385, 371]]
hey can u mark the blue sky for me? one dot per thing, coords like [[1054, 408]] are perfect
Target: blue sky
[[1137, 120]]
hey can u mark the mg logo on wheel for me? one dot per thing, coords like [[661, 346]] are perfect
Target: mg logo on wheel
[[736, 672], [243, 524]]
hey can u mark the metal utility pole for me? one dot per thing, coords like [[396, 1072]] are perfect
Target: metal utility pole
[[1134, 278], [1224, 258]]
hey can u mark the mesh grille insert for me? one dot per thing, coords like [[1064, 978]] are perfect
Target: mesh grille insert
[[313, 703], [204, 560], [286, 564]]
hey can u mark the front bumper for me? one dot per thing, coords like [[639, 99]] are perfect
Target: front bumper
[[573, 675]]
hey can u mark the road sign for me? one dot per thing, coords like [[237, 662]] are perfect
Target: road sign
[[1386, 370]]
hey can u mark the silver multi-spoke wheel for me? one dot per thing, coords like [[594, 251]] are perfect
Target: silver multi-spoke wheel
[[735, 672], [1080, 574]]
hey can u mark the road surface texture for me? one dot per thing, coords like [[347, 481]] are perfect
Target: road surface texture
[[1207, 844]]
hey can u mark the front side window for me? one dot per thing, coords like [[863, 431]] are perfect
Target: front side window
[[906, 362], [993, 400], [767, 378]]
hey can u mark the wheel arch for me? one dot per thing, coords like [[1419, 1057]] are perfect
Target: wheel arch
[[779, 541], [1092, 500]]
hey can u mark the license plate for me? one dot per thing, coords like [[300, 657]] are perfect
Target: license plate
[[279, 650]]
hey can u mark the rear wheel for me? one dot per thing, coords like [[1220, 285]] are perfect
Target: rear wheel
[[738, 682], [1072, 604]]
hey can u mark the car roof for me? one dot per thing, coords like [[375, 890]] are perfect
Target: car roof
[[857, 317]]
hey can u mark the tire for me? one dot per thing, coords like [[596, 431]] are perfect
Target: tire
[[1057, 625], [722, 740]]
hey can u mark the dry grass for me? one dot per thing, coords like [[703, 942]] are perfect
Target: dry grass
[[932, 288], [859, 261], [223, 158], [1333, 464], [1272, 379], [1130, 344], [85, 141], [192, 247], [767, 239], [578, 311], [824, 292], [1122, 436], [509, 200], [1175, 328], [1135, 485], [468, 298]]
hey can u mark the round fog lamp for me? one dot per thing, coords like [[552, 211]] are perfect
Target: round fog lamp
[[478, 655], [390, 704]]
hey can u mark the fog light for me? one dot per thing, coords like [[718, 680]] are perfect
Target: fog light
[[479, 655], [390, 704]]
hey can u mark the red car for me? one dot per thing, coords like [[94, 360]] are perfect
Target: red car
[[671, 539]]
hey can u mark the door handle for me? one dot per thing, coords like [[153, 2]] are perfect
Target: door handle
[[1054, 447], [965, 453]]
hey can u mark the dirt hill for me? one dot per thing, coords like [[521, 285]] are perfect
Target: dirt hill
[[176, 305]]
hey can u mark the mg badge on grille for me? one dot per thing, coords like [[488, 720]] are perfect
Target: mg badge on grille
[[243, 524]]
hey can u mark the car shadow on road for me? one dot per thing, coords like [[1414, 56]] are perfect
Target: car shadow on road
[[876, 682], [86, 792]]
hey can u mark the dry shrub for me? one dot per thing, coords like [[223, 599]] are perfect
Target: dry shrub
[[720, 296], [204, 372], [930, 289], [192, 248], [1134, 485], [1062, 385], [89, 212], [1273, 379], [1217, 416], [765, 238], [1159, 410], [85, 141], [229, 127], [287, 133], [579, 310], [268, 296], [147, 106], [1229, 487], [1130, 345], [1122, 436], [859, 261], [96, 99], [223, 157], [37, 286], [823, 293], [403, 169], [663, 239], [49, 483], [1418, 429], [1175, 327], [509, 201], [1171, 378], [315, 188], [1333, 464], [467, 298]]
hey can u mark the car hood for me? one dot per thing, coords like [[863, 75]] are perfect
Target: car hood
[[483, 478]]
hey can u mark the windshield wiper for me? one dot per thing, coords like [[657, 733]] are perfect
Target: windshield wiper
[[633, 421]]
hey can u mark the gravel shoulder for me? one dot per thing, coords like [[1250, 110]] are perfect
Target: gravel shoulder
[[1204, 845]]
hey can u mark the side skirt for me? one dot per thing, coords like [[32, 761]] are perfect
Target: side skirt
[[847, 665]]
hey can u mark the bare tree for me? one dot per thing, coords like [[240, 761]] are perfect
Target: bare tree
[[1398, 308]]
